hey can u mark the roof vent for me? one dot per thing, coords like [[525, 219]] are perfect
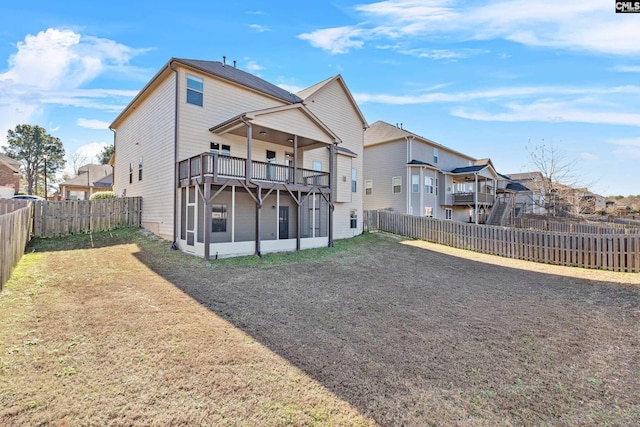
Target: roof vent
[[234, 63], [224, 60]]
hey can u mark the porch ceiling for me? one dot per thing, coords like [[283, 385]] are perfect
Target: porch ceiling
[[274, 136]]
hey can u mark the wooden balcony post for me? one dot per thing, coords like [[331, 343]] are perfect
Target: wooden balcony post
[[295, 160], [332, 151], [298, 221], [248, 166], [207, 219], [258, 218]]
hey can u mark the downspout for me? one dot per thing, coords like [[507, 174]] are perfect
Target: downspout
[[409, 139], [174, 245]]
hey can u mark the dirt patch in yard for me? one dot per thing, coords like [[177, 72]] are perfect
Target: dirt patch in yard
[[371, 330]]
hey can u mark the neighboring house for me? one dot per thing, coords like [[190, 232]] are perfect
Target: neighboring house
[[551, 198], [230, 164], [9, 175], [90, 179], [534, 201], [411, 174]]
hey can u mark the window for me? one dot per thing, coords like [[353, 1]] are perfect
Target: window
[[130, 173], [353, 215], [435, 156], [448, 213], [396, 184], [415, 183], [437, 186], [368, 187], [428, 211], [225, 151], [316, 165], [195, 90], [218, 218], [354, 180], [428, 185], [140, 169]]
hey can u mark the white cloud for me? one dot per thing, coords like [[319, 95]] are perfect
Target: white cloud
[[259, 28], [51, 67], [546, 111], [627, 68], [628, 148], [93, 124], [585, 26], [254, 66], [335, 40]]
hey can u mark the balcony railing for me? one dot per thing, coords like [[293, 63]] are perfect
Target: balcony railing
[[469, 198], [214, 166]]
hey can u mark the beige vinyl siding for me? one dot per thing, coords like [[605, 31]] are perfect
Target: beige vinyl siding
[[383, 162], [221, 101], [148, 131], [332, 106], [343, 178]]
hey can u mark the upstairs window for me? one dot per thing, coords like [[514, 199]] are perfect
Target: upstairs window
[[435, 156], [221, 149], [368, 187], [396, 184], [428, 185], [195, 90], [316, 165], [354, 180]]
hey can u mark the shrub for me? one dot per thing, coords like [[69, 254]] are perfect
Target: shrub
[[103, 195]]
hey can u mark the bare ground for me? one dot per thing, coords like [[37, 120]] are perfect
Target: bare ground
[[374, 331]]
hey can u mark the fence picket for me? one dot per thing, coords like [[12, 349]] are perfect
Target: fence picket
[[617, 251]]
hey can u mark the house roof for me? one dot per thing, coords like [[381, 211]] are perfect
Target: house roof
[[309, 92], [345, 151], [98, 176], [469, 169], [381, 132], [516, 186], [11, 163], [214, 69], [421, 163], [240, 77]]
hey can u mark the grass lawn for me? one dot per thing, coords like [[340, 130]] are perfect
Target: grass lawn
[[118, 329]]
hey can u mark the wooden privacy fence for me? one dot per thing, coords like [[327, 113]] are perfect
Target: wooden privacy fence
[[616, 252], [61, 218], [569, 227], [14, 235]]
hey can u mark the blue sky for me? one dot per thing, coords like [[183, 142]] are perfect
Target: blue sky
[[487, 78]]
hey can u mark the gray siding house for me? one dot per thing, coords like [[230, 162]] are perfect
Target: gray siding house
[[410, 174]]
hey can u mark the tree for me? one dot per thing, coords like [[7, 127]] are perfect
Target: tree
[[77, 159], [563, 192], [30, 144], [105, 154]]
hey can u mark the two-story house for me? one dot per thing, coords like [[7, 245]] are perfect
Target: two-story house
[[411, 174], [230, 164]]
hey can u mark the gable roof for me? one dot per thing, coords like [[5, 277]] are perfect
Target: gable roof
[[382, 132], [98, 176], [11, 163], [469, 169], [421, 163], [307, 93], [233, 74], [216, 70]]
